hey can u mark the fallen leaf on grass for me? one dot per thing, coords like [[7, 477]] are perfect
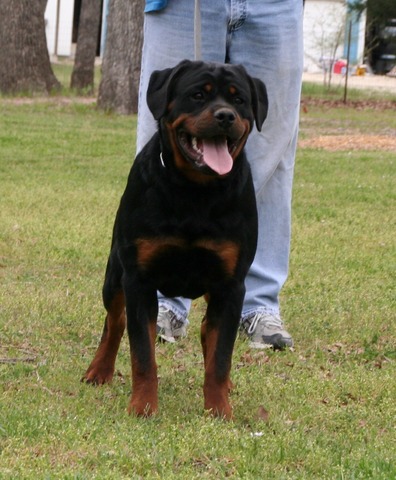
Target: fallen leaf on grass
[[378, 363], [263, 414], [290, 423], [120, 377], [258, 357], [336, 347]]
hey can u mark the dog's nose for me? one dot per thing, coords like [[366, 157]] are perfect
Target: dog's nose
[[225, 117]]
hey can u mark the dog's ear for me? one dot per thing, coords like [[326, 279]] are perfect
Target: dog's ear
[[160, 86], [259, 101]]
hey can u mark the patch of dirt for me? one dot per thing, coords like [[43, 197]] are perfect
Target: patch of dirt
[[55, 100], [372, 104], [345, 136], [350, 142]]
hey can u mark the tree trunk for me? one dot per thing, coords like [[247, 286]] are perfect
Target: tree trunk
[[87, 40], [119, 86], [24, 61]]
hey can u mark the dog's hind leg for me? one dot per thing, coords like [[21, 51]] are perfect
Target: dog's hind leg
[[102, 366]]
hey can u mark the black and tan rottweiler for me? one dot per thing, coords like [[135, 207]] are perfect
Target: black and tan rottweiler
[[186, 226]]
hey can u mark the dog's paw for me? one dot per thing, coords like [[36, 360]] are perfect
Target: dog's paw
[[142, 408], [98, 376]]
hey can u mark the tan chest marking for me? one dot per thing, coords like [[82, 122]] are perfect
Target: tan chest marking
[[149, 248]]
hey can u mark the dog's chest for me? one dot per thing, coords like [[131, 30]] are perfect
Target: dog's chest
[[186, 268]]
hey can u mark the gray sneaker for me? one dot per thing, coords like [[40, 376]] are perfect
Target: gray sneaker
[[169, 327], [265, 330]]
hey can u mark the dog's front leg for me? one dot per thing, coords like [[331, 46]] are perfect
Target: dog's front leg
[[142, 310], [218, 333], [101, 369]]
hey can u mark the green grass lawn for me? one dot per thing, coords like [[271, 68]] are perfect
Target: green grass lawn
[[330, 404]]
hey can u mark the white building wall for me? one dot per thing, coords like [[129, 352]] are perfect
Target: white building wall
[[323, 22], [50, 25], [63, 45]]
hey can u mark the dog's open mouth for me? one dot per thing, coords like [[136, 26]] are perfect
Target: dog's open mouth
[[215, 153]]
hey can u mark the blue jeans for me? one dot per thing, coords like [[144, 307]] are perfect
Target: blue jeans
[[266, 37]]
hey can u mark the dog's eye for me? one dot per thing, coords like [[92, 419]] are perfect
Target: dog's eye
[[239, 100], [197, 96]]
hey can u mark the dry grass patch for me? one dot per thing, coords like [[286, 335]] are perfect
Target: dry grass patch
[[335, 143]]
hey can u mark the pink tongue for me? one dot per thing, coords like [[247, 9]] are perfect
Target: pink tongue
[[216, 155]]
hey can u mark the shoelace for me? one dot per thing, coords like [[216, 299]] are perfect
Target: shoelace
[[272, 320], [174, 322]]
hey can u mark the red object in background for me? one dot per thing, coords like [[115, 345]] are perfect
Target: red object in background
[[338, 66]]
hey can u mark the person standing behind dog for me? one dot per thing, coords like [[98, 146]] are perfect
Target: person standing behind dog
[[265, 36]]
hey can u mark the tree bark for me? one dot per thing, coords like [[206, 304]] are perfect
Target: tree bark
[[24, 60], [84, 63], [119, 87]]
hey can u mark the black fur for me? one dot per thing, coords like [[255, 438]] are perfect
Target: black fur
[[183, 229]]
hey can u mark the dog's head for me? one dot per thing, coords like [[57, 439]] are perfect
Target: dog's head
[[207, 111]]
